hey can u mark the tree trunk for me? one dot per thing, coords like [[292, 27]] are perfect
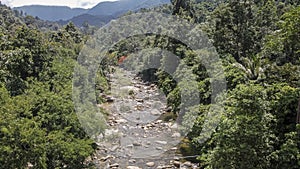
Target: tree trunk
[[298, 113]]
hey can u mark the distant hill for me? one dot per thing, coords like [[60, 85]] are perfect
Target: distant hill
[[106, 11], [90, 19], [51, 13], [97, 16], [122, 6]]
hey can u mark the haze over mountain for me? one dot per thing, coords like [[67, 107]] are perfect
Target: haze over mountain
[[117, 7], [102, 12], [51, 13]]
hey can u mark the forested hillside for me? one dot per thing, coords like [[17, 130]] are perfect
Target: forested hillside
[[258, 42], [38, 124], [259, 46], [99, 15]]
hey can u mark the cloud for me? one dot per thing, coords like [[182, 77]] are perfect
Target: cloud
[[89, 3], [86, 4], [70, 3], [7, 2]]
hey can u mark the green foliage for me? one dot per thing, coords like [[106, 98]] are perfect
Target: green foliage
[[244, 139], [288, 155], [38, 123], [258, 42], [283, 45], [240, 27]]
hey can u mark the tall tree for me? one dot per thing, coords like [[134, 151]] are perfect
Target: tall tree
[[241, 26], [244, 139]]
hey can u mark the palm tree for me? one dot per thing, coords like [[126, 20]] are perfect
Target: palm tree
[[252, 66]]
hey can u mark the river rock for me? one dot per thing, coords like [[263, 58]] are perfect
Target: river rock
[[174, 148], [159, 148], [176, 163], [131, 161], [120, 121], [114, 165], [135, 143], [175, 135], [168, 109], [161, 142], [188, 164], [139, 100], [130, 146], [133, 167], [109, 99], [114, 148], [150, 164]]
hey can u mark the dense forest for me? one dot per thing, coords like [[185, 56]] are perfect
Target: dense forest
[[259, 46]]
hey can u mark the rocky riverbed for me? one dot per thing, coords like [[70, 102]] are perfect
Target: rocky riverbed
[[138, 137]]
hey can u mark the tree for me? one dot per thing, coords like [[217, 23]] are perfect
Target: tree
[[244, 139], [241, 26], [283, 45], [38, 123], [252, 67], [183, 8], [284, 105], [22, 139]]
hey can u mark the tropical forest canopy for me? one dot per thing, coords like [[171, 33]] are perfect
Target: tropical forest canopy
[[259, 46]]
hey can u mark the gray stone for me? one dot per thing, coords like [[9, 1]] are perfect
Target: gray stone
[[161, 142], [109, 99], [139, 100], [188, 164], [159, 121], [176, 163], [168, 109], [114, 165], [174, 148], [130, 146], [136, 143], [114, 148], [133, 167], [131, 161], [121, 121], [150, 164], [175, 135], [176, 158]]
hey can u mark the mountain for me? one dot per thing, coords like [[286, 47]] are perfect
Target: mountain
[[80, 20], [122, 6], [51, 13], [97, 16], [106, 11], [110, 8], [151, 4]]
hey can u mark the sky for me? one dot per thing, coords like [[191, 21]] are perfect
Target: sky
[[70, 3]]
